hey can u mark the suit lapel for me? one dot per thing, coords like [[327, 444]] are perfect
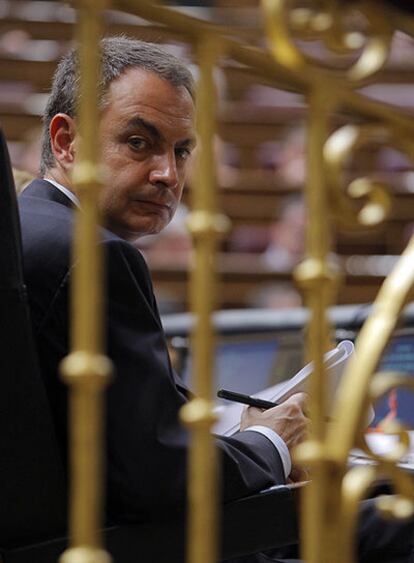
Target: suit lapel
[[45, 190]]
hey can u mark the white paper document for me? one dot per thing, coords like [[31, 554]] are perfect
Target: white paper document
[[335, 362]]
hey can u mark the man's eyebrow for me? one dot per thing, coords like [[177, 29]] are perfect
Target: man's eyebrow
[[189, 143], [144, 124]]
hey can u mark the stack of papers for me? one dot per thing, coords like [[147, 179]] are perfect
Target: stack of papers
[[335, 362]]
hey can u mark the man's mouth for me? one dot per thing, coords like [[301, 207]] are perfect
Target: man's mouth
[[154, 204]]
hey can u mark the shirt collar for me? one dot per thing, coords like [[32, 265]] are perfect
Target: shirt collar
[[65, 191]]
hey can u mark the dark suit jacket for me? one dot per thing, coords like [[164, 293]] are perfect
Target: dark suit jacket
[[146, 445]]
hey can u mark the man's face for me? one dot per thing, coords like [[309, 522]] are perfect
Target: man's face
[[147, 135]]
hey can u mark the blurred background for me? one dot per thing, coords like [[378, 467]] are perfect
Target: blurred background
[[260, 151]]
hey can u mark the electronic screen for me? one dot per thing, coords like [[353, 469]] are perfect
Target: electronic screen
[[243, 364], [399, 403]]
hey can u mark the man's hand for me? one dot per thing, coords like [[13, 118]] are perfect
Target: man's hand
[[287, 419]]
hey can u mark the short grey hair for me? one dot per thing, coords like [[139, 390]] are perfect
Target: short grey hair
[[117, 55]]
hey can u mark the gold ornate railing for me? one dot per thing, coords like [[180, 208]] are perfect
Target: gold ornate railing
[[86, 369], [331, 500], [206, 225]]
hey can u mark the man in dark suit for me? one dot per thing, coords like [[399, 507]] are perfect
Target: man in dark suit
[[146, 133]]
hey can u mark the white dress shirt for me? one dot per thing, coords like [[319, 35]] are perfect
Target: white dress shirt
[[73, 198]]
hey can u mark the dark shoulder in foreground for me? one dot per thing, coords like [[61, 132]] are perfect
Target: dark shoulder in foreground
[[47, 218]]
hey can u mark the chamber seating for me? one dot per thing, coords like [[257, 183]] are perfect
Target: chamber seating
[[33, 482]]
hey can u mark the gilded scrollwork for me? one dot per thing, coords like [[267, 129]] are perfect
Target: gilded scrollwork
[[358, 389], [343, 28], [364, 202], [356, 483]]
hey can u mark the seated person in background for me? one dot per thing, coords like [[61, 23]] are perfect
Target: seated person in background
[[286, 246], [21, 179], [147, 134]]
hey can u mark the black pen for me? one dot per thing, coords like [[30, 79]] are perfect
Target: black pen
[[245, 399]]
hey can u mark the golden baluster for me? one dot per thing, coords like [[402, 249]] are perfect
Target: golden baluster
[[205, 225], [317, 279], [86, 369]]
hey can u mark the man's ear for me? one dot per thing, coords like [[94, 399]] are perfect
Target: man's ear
[[62, 132]]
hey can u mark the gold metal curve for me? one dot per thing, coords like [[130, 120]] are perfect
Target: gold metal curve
[[355, 485], [206, 225], [400, 448], [337, 150], [281, 45], [381, 384], [352, 399], [327, 24], [400, 505]]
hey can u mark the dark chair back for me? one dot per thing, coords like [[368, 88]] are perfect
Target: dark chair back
[[32, 483]]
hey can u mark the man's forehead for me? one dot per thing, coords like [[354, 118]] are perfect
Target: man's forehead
[[140, 88]]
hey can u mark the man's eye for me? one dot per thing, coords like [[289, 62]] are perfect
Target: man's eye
[[137, 143], [182, 153]]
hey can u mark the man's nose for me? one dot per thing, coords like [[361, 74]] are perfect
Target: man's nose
[[164, 170]]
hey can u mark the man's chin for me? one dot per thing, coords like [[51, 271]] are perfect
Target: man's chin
[[135, 229], [135, 233]]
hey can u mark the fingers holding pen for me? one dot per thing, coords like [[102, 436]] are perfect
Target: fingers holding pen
[[287, 419]]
